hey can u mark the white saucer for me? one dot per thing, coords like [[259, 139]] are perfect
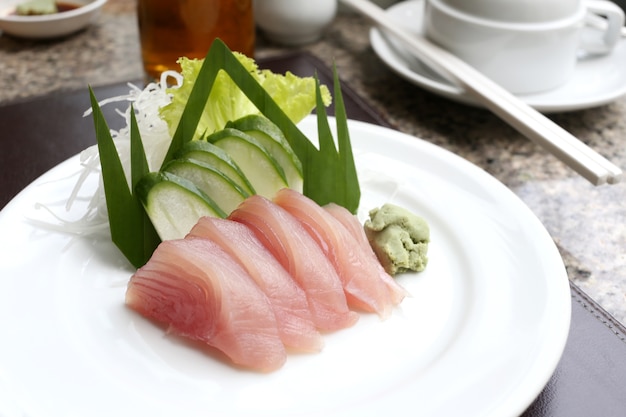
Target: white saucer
[[595, 81]]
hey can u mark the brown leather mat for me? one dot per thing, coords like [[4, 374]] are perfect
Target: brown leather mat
[[38, 134]]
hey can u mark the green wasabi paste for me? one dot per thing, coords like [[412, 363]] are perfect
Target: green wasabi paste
[[36, 7], [399, 238]]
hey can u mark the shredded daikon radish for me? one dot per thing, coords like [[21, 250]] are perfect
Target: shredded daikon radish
[[156, 139]]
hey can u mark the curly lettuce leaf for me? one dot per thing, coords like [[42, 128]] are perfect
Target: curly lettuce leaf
[[294, 95]]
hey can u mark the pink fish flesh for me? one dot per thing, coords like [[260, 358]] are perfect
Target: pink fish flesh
[[202, 293], [352, 224], [288, 300], [361, 282], [298, 253]]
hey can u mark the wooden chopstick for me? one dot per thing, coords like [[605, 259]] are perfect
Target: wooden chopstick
[[528, 121]]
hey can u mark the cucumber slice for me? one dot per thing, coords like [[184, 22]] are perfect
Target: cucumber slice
[[174, 204], [220, 188], [270, 136], [210, 154], [258, 165]]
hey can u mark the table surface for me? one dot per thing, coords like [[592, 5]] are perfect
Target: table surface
[[587, 223]]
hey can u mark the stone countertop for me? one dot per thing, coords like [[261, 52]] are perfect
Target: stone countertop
[[588, 223]]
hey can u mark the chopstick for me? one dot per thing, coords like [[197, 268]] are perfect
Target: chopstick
[[528, 121]]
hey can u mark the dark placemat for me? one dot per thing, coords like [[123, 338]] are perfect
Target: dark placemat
[[39, 134], [589, 380], [36, 135]]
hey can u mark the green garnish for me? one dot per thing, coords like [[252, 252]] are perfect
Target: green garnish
[[36, 7], [226, 101], [329, 173], [131, 229]]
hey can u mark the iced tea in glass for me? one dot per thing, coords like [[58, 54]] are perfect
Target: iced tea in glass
[[170, 29]]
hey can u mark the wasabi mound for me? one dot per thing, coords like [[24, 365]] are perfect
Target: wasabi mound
[[399, 238]]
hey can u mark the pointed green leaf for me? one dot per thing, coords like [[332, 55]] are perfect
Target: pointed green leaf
[[131, 231], [352, 190], [139, 168], [138, 162]]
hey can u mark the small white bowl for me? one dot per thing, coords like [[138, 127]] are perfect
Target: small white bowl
[[294, 22], [51, 25]]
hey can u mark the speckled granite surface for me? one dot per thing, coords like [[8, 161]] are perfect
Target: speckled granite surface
[[588, 223]]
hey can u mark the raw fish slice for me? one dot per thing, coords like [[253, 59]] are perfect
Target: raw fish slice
[[288, 300], [298, 253], [352, 224], [361, 282], [202, 293]]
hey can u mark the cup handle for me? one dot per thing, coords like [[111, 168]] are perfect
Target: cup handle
[[613, 15]]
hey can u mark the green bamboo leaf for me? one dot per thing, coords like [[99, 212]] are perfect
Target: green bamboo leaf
[[352, 190], [321, 174], [139, 169], [131, 231], [138, 162], [196, 102], [330, 174]]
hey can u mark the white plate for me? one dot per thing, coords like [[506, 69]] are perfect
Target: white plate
[[51, 25], [595, 81], [481, 336]]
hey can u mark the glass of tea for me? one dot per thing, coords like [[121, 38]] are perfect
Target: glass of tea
[[170, 29]]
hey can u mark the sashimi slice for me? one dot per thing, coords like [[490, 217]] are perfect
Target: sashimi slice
[[298, 253], [352, 224], [288, 300], [362, 284], [202, 293]]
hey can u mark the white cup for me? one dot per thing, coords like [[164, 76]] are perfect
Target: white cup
[[526, 46], [531, 11]]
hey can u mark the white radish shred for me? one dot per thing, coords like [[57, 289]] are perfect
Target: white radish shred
[[156, 141]]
